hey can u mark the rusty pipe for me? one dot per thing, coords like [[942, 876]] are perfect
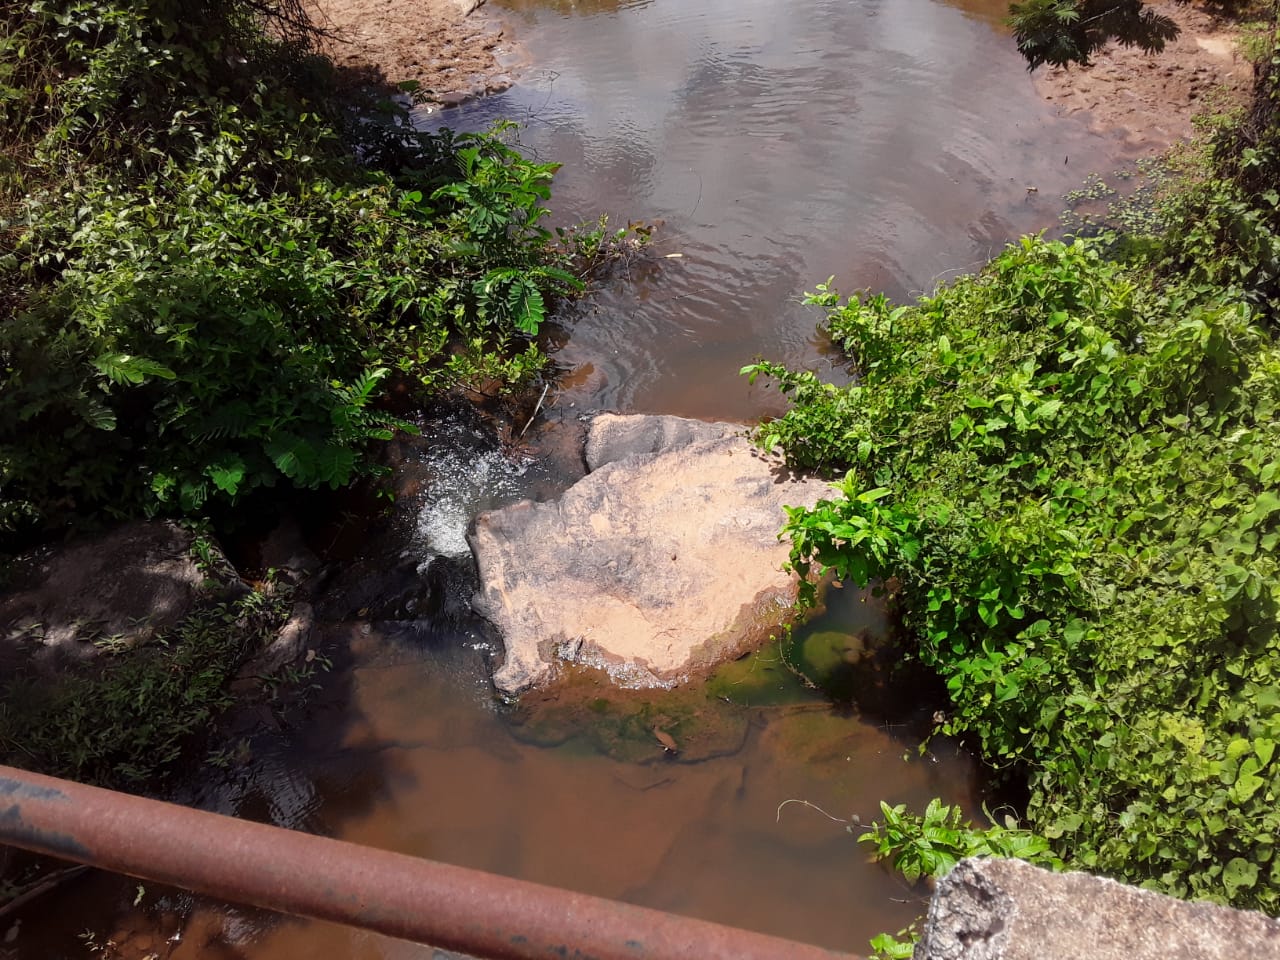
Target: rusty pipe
[[450, 907]]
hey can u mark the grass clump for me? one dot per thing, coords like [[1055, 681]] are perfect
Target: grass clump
[[129, 716]]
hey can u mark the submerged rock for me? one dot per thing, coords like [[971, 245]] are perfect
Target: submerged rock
[[584, 712], [663, 559]]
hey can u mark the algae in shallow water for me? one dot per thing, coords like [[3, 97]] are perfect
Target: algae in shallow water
[[632, 726], [760, 679], [820, 661]]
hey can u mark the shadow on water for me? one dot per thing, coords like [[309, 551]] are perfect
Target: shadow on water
[[671, 799]]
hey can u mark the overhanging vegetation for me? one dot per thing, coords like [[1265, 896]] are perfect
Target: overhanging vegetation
[[213, 259], [1071, 463]]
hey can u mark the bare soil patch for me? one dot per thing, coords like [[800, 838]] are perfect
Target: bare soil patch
[[1149, 99], [448, 46]]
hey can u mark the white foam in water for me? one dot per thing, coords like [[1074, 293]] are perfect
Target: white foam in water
[[464, 484], [443, 528]]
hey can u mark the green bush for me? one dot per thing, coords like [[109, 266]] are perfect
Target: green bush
[[209, 274], [1070, 464], [930, 844]]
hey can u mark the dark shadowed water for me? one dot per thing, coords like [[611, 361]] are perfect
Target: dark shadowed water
[[886, 142]]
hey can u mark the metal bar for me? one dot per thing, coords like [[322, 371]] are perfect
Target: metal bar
[[454, 908]]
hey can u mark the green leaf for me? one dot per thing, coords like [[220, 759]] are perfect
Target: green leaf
[[124, 368], [888, 947], [227, 474], [288, 451], [99, 416], [1238, 748], [989, 612], [1074, 631], [527, 307], [1247, 780], [1239, 874], [1267, 504], [1048, 409], [1265, 748], [871, 496]]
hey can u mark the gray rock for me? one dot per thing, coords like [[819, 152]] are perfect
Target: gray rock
[[988, 909], [128, 585], [664, 559]]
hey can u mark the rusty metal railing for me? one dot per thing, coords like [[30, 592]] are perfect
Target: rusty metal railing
[[450, 907]]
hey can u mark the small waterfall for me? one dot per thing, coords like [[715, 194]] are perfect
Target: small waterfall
[[464, 473]]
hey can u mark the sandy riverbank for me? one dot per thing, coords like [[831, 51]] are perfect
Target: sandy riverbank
[[1150, 99], [453, 48], [456, 50]]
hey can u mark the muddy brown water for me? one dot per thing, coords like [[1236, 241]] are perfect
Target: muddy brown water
[[401, 746], [886, 142]]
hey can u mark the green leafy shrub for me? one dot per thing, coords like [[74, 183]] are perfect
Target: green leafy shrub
[[207, 278], [930, 844], [1070, 465]]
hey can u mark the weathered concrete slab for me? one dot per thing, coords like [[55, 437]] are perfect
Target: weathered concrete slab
[[663, 559], [988, 909]]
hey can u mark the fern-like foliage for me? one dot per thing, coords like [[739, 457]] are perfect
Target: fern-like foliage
[[122, 368], [1062, 32]]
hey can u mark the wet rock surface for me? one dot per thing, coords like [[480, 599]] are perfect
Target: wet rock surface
[[988, 909], [663, 559], [128, 585]]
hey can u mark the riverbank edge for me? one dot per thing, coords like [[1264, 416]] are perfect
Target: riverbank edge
[[452, 51], [1150, 100], [460, 50]]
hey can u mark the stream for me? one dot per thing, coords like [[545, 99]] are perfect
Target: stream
[[887, 143]]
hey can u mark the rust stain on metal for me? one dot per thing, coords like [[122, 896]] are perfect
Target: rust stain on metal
[[451, 907]]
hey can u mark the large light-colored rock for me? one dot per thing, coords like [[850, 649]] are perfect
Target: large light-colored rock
[[663, 559], [988, 909]]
